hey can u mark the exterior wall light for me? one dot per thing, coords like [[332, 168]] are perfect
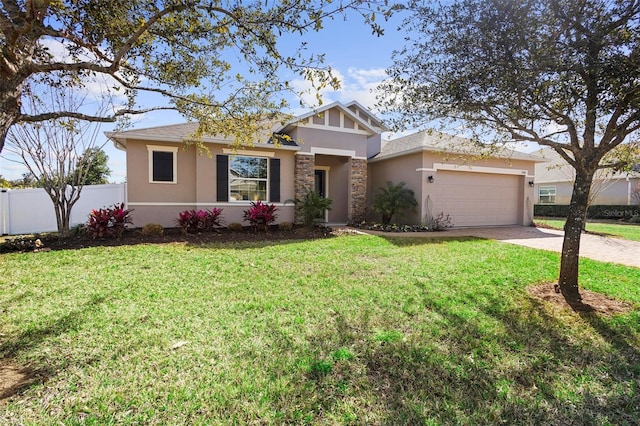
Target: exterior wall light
[[430, 178], [531, 183]]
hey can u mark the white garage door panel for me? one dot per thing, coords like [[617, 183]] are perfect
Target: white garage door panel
[[477, 199]]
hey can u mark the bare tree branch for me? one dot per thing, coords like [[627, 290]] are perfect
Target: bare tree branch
[[87, 117]]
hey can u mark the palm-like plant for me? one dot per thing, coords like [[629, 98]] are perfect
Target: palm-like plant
[[392, 200], [312, 207]]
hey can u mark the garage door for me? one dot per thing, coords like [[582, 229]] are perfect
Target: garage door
[[477, 199]]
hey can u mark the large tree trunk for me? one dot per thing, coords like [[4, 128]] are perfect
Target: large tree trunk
[[568, 280], [9, 113]]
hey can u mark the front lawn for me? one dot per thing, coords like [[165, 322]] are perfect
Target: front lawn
[[346, 330], [626, 231]]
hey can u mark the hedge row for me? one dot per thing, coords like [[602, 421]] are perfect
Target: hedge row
[[594, 212]]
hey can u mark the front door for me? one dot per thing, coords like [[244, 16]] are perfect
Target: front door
[[321, 189]]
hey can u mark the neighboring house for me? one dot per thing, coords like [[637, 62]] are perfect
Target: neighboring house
[[475, 184], [555, 177], [337, 151]]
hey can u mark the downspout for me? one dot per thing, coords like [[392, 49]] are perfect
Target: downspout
[[628, 190]]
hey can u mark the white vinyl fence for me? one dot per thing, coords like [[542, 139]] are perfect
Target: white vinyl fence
[[27, 211]]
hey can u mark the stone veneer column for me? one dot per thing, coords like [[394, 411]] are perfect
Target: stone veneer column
[[358, 188], [304, 178]]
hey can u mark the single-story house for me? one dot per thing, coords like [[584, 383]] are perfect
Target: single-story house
[[555, 177], [336, 150]]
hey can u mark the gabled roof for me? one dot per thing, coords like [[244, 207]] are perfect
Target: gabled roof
[[369, 122], [374, 120], [431, 140], [182, 131]]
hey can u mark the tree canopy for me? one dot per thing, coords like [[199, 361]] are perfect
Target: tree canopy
[[218, 62], [559, 73], [92, 168]]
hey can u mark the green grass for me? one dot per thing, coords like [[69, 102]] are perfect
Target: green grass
[[349, 330], [626, 231]]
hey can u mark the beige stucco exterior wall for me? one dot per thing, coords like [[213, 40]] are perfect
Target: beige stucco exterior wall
[[196, 184], [398, 169], [340, 141], [139, 187], [415, 168]]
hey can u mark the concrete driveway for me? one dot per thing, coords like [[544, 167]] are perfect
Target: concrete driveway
[[596, 247]]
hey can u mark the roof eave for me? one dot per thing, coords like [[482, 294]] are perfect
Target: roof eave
[[436, 149], [121, 142]]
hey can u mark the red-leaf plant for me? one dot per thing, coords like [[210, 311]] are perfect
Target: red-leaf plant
[[260, 215], [192, 221], [109, 221]]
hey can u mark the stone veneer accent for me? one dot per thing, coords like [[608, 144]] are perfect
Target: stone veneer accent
[[358, 188], [304, 179]]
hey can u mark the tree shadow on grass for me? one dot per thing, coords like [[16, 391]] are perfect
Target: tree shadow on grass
[[526, 368], [410, 241], [17, 378]]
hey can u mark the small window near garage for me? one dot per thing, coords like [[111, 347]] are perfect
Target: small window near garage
[[248, 178], [547, 194], [163, 164]]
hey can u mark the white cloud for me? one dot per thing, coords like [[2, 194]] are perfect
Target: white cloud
[[96, 87], [355, 85]]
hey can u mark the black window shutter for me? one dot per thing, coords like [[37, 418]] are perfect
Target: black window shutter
[[222, 178], [274, 180]]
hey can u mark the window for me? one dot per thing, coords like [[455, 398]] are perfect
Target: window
[[248, 178], [163, 164], [547, 194]]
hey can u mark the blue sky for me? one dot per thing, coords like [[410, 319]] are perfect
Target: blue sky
[[357, 57]]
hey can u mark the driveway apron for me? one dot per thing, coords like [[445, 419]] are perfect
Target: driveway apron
[[596, 247]]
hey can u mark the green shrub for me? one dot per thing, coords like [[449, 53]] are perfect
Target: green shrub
[[235, 227], [635, 219], [612, 212], [550, 210], [312, 207], [153, 229], [79, 230], [285, 226], [393, 200], [594, 212]]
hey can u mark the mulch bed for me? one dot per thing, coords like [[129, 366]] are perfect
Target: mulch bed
[[591, 301], [48, 242]]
